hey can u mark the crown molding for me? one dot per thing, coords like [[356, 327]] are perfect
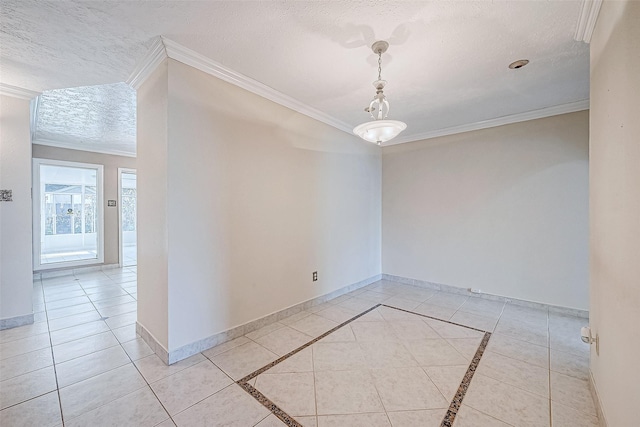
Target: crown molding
[[571, 107], [154, 57], [204, 64], [587, 18], [17, 92], [83, 147]]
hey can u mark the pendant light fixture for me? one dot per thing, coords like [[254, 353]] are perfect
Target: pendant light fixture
[[380, 129]]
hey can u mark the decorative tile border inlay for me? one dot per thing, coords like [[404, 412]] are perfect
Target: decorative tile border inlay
[[456, 403], [288, 420]]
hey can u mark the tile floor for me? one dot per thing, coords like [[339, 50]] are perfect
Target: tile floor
[[81, 363]]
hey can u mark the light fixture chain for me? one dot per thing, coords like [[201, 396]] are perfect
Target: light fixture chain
[[379, 65]]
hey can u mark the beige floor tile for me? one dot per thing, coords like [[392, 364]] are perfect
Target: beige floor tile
[[314, 325], [25, 363], [265, 330], [271, 421], [125, 333], [67, 302], [447, 330], [524, 332], [25, 345], [375, 297], [346, 392], [447, 378], [435, 352], [97, 391], [167, 423], [83, 346], [337, 314], [153, 368], [337, 356], [373, 331], [76, 319], [427, 418], [189, 386], [390, 314], [76, 332], [93, 364], [407, 389], [521, 350], [354, 420], [433, 310], [137, 349], [43, 411], [413, 329], [507, 403], [572, 392], [293, 392], [564, 416], [515, 372], [283, 340], [467, 347], [119, 321], [445, 299], [243, 360], [99, 294], [344, 334], [111, 302], [296, 317], [27, 386], [469, 417], [22, 332], [225, 346], [117, 310], [69, 311], [400, 302], [482, 307], [574, 365], [475, 321], [308, 421], [140, 408], [529, 315], [392, 354], [299, 362], [371, 316], [230, 407], [357, 304]]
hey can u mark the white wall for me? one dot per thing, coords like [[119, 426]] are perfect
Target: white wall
[[615, 209], [504, 210], [111, 164], [258, 197], [16, 270]]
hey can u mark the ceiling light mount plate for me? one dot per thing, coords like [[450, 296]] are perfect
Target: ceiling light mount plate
[[380, 47], [518, 64]]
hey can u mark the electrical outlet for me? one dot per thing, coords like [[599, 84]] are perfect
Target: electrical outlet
[[315, 276]]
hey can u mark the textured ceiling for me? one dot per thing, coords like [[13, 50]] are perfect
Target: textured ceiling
[[446, 66], [88, 117]]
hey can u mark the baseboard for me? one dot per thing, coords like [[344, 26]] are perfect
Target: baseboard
[[462, 291], [14, 322], [152, 342], [238, 331], [74, 270], [596, 401]]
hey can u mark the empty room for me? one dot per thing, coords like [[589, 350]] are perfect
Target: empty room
[[319, 213]]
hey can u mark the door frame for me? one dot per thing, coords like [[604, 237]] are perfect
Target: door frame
[[120, 235], [36, 214]]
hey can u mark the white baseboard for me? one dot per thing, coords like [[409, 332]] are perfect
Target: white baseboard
[[14, 322], [170, 357], [596, 401], [462, 291]]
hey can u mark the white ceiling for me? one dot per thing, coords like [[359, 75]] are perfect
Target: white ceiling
[[446, 66]]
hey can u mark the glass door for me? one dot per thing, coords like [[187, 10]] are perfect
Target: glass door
[[128, 218], [68, 219]]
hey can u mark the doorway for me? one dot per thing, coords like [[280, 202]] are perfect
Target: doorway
[[127, 194], [67, 214]]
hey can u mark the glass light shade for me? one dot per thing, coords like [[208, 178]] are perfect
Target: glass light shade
[[379, 131]]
